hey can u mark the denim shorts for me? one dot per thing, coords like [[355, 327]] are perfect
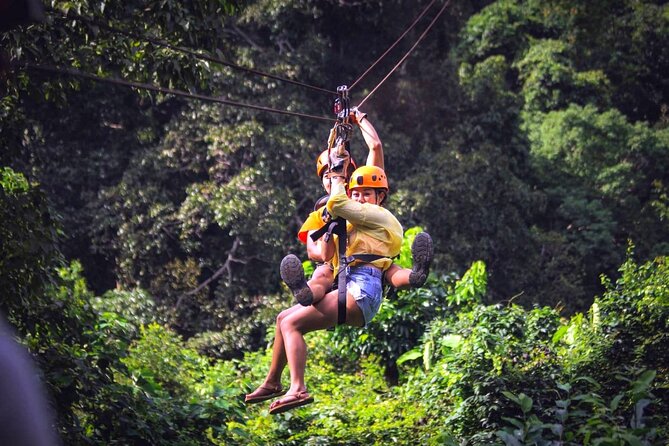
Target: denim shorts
[[364, 284]]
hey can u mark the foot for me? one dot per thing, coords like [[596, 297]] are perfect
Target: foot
[[290, 401], [293, 274], [422, 253], [264, 393]]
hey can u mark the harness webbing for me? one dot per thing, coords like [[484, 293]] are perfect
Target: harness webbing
[[325, 229], [340, 231], [342, 133], [338, 228]]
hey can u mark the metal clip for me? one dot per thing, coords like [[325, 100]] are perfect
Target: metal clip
[[344, 106]]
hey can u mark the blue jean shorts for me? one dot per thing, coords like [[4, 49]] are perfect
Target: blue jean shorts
[[364, 284]]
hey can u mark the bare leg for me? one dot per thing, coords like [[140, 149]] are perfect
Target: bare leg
[[398, 277], [321, 282], [422, 253], [279, 360], [321, 315]]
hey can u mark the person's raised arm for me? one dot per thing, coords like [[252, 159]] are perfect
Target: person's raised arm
[[375, 155]]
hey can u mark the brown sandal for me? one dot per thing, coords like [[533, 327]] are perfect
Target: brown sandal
[[290, 401], [263, 393]]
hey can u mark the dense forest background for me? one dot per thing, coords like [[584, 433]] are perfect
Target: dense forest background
[[141, 232]]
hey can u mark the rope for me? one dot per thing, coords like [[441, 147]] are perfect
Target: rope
[[443, 8], [164, 90], [181, 49], [420, 16]]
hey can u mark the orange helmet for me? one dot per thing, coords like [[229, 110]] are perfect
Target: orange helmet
[[368, 176], [323, 162]]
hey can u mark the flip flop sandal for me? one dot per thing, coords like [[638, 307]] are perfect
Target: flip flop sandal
[[290, 402], [263, 393]]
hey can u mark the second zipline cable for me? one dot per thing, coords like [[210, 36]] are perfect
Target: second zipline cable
[[159, 89], [408, 53], [181, 49]]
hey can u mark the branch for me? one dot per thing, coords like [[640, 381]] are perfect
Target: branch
[[226, 267], [244, 36]]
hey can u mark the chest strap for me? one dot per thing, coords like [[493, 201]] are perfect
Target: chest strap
[[326, 230]]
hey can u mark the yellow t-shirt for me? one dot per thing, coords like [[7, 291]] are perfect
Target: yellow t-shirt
[[314, 222], [371, 229]]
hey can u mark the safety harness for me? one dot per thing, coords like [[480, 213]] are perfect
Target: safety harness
[[340, 135], [338, 227]]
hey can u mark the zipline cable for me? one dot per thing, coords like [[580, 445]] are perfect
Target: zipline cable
[[420, 16], [161, 43], [159, 89], [174, 92], [443, 8]]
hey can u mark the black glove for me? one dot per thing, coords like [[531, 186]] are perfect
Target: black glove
[[339, 159]]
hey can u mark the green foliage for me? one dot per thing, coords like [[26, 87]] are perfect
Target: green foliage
[[600, 155], [251, 198], [344, 412], [585, 418], [160, 191], [405, 259], [122, 381], [472, 287], [80, 352], [137, 307], [550, 56], [28, 235], [89, 43], [492, 375], [526, 377], [467, 292], [551, 82], [242, 333], [495, 30], [13, 183], [486, 80], [589, 144]]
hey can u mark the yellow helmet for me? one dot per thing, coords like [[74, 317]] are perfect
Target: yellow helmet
[[368, 176], [323, 162]]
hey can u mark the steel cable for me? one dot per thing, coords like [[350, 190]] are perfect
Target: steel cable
[[443, 8], [171, 91], [185, 50], [420, 16]]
